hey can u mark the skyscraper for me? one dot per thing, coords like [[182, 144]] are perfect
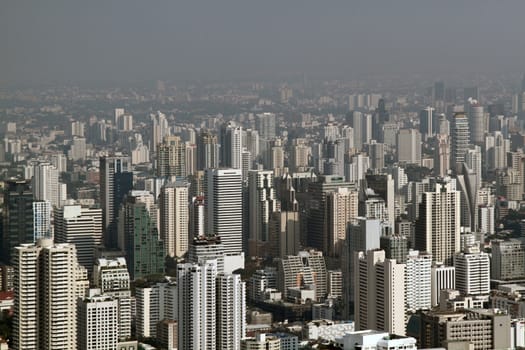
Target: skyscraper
[[42, 213], [45, 183], [379, 293], [417, 281], [139, 236], [174, 218], [171, 157], [266, 125], [17, 216], [159, 129], [116, 181], [97, 323], [231, 146], [81, 227], [476, 122], [48, 281], [224, 208], [341, 211], [438, 225], [208, 150], [261, 204], [409, 146], [231, 311], [426, 119], [460, 134], [197, 308]]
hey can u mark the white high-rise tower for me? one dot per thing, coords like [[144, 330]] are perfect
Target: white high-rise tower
[[174, 218], [262, 203], [45, 183], [231, 311]]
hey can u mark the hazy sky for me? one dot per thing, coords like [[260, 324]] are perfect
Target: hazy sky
[[127, 40]]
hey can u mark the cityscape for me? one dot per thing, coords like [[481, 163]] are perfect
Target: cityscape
[[275, 209]]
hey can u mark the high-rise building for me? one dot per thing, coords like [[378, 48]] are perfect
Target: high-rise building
[[395, 247], [266, 125], [155, 303], [81, 227], [231, 146], [139, 236], [508, 260], [231, 311], [438, 225], [45, 183], [197, 305], [476, 122], [224, 207], [261, 204], [303, 269], [47, 283], [376, 152], [460, 137], [443, 277], [171, 157], [116, 181], [208, 150], [97, 323], [426, 122], [472, 271], [42, 213], [341, 210], [285, 233], [379, 293], [111, 276], [442, 155], [418, 281], [159, 129], [174, 218], [409, 146], [17, 216]]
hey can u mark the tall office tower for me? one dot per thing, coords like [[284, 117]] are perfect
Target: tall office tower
[[231, 146], [42, 212], [476, 122], [426, 122], [299, 155], [472, 271], [111, 276], [303, 269], [17, 216], [116, 180], [496, 148], [379, 293], [261, 342], [118, 113], [266, 125], [376, 152], [139, 237], [231, 311], [261, 204], [59, 161], [473, 161], [77, 128], [159, 129], [460, 140], [125, 123], [154, 303], [442, 155], [81, 227], [285, 233], [45, 183], [171, 157], [468, 187], [197, 305], [486, 223], [409, 146], [418, 281], [341, 210], [174, 218], [197, 227], [77, 149], [206, 248], [438, 225], [47, 285], [224, 208], [383, 185], [356, 121], [208, 150], [251, 142], [317, 211], [97, 323], [508, 260], [247, 161], [395, 247], [443, 277]]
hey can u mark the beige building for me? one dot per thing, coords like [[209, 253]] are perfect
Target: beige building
[[174, 218]]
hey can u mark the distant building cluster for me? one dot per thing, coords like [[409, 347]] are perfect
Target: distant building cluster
[[342, 218]]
